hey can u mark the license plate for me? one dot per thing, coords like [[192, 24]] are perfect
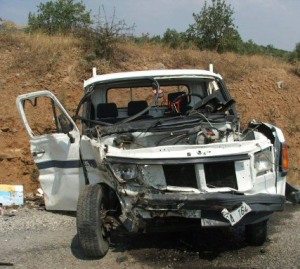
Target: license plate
[[236, 215]]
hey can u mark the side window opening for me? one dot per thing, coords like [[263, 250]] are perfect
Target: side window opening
[[45, 117]]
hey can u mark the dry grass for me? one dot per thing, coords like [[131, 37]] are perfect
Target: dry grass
[[48, 44], [39, 54], [233, 67]]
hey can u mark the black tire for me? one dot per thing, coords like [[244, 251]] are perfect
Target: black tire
[[93, 237], [256, 234]]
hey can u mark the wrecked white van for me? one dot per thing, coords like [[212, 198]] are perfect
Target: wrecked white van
[[155, 149]]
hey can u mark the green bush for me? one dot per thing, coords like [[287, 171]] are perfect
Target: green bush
[[60, 16]]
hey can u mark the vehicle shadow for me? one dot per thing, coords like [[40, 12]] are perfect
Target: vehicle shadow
[[205, 244]]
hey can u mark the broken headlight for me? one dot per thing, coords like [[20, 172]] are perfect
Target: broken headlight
[[263, 161], [125, 171]]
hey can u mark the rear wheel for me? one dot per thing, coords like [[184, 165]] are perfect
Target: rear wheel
[[91, 210], [256, 234]]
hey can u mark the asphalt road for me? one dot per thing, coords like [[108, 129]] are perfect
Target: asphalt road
[[40, 239]]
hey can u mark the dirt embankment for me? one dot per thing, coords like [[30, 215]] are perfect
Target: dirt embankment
[[265, 89]]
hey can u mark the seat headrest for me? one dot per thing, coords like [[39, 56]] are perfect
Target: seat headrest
[[135, 107], [108, 110]]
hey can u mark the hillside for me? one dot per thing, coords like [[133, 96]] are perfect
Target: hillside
[[30, 63]]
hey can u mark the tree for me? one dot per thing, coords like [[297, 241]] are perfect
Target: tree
[[294, 56], [297, 51], [103, 38], [214, 28], [60, 16], [172, 38]]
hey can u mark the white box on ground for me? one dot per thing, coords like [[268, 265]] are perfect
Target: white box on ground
[[11, 195]]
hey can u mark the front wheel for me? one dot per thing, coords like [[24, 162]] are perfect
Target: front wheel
[[91, 211], [256, 234]]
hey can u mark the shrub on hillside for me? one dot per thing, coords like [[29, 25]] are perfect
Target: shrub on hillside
[[104, 37], [60, 16]]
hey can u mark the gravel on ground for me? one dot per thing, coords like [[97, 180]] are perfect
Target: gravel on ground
[[35, 238]]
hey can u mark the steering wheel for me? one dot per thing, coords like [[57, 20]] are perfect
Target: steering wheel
[[214, 102]]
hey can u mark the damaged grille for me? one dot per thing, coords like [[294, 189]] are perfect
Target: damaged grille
[[220, 174], [180, 175]]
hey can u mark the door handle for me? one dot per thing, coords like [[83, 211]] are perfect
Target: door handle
[[35, 153]]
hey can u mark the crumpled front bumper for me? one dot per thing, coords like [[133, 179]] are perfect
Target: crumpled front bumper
[[211, 201], [205, 208]]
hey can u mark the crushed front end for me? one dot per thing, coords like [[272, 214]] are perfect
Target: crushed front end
[[204, 177]]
